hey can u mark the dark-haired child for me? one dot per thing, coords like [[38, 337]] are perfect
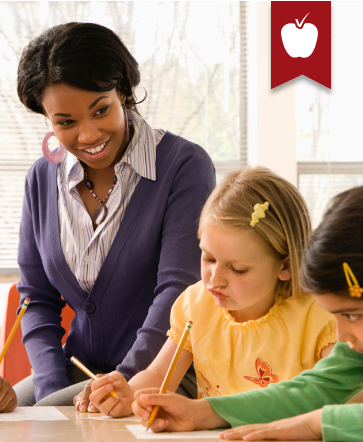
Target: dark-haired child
[[333, 272]]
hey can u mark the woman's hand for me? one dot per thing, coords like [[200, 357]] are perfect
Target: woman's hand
[[304, 427], [82, 402], [102, 399], [176, 413], [8, 399]]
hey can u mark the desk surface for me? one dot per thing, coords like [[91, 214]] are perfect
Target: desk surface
[[75, 429]]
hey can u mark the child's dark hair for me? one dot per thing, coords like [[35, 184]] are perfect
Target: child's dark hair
[[84, 55], [338, 239]]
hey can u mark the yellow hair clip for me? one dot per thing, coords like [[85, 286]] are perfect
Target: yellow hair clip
[[355, 290], [258, 213]]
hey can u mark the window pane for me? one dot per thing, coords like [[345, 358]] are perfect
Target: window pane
[[329, 122], [319, 189]]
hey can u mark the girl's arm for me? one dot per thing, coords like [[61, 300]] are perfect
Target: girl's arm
[[153, 376], [333, 380], [8, 399]]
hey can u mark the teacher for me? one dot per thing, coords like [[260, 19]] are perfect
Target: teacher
[[109, 219]]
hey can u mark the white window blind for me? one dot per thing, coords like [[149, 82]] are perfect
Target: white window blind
[[328, 130], [192, 58]]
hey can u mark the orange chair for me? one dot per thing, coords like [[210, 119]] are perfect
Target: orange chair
[[16, 365]]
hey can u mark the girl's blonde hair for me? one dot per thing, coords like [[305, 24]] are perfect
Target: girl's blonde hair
[[286, 229]]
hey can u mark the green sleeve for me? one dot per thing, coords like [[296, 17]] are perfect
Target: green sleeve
[[342, 422], [333, 380]]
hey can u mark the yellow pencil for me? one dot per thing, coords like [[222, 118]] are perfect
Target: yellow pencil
[[90, 374], [13, 330], [170, 371]]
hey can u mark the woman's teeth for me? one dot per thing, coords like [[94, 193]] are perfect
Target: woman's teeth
[[96, 149]]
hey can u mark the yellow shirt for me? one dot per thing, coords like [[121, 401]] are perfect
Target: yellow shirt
[[231, 357]]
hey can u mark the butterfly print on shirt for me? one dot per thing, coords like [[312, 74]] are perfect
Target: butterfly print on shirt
[[264, 374], [209, 387]]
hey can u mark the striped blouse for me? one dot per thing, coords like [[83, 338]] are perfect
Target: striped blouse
[[85, 249]]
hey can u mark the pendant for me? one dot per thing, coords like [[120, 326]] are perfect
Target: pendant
[[100, 214]]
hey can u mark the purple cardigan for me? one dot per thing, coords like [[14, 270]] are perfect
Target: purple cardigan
[[153, 258]]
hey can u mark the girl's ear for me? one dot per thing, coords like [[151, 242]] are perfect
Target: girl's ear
[[285, 272]]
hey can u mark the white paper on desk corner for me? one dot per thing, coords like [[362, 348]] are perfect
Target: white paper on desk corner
[[117, 419], [140, 433], [33, 414]]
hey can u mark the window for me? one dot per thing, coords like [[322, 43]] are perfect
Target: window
[[328, 122], [192, 58]]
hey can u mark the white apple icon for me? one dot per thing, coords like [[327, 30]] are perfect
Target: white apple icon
[[299, 40]]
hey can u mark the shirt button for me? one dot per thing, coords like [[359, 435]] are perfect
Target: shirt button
[[87, 259], [89, 307]]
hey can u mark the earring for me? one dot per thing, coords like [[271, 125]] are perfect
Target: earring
[[53, 157], [127, 131]]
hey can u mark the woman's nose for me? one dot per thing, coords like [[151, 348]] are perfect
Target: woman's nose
[[88, 133]]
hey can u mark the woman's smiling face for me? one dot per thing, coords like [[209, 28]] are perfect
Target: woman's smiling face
[[90, 125], [348, 314]]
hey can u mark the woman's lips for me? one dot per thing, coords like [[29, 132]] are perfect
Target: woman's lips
[[98, 155]]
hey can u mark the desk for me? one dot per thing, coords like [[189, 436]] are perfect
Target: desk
[[75, 429]]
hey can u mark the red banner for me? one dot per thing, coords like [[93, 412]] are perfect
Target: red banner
[[300, 41]]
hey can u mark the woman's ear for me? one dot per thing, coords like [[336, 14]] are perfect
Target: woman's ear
[[122, 97], [285, 273]]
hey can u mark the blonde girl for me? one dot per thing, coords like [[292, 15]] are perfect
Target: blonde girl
[[252, 325], [333, 272]]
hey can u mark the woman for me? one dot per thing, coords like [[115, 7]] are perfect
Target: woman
[[112, 228]]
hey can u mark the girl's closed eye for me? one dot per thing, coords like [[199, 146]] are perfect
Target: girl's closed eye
[[239, 271], [352, 318]]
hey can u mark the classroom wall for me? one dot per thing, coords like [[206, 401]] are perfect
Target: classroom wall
[[272, 139]]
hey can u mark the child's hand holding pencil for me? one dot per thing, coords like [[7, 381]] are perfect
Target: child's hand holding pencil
[[101, 398]]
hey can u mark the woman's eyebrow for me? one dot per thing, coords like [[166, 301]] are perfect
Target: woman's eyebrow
[[96, 101], [58, 114]]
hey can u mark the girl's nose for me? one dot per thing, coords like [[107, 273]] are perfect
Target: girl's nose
[[344, 334], [218, 278]]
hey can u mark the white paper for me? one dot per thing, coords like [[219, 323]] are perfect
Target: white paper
[[33, 414], [140, 433], [118, 419]]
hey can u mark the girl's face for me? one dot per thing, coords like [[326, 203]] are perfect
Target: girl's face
[[348, 314], [90, 125], [238, 272]]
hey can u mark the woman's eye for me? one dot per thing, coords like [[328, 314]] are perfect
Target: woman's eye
[[208, 259], [65, 122], [353, 318], [102, 110]]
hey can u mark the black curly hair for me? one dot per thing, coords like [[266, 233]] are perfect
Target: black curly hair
[[84, 55]]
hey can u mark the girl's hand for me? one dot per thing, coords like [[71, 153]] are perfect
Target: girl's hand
[[176, 413], [304, 427], [8, 399], [82, 402], [101, 398]]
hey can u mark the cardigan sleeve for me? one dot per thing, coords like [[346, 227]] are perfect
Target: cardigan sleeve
[[41, 324], [333, 380], [179, 264]]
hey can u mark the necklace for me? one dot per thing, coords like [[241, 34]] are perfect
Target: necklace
[[101, 212]]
